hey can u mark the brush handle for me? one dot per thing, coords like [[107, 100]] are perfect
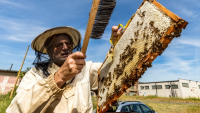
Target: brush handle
[[91, 20]]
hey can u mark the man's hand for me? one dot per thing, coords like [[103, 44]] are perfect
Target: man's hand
[[72, 66], [116, 31]]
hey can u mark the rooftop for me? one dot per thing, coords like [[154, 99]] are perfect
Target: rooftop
[[166, 81]]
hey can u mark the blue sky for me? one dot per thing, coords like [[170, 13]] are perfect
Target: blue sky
[[22, 20]]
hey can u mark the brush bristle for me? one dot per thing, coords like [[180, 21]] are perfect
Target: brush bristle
[[104, 12]]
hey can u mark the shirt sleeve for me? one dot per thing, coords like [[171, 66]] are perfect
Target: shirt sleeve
[[94, 75], [36, 96]]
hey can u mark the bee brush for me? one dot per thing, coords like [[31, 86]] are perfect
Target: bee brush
[[99, 16]]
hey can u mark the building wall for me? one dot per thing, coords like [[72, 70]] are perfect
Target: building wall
[[160, 92], [7, 80], [133, 90], [192, 90]]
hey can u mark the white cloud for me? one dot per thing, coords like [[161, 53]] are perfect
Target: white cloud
[[192, 42], [184, 10], [12, 3], [3, 46], [20, 30], [187, 12], [16, 39], [177, 62]]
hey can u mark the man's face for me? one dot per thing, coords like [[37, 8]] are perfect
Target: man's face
[[61, 48]]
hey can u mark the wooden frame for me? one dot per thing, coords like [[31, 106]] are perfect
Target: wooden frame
[[165, 40]]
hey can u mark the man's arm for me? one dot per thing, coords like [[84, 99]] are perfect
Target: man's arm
[[71, 67], [42, 96], [37, 96]]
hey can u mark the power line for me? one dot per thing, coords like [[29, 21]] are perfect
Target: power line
[[83, 24], [24, 63]]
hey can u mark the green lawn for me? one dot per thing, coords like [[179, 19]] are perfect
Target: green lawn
[[158, 107], [176, 106]]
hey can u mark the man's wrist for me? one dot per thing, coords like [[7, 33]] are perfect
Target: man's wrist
[[58, 80]]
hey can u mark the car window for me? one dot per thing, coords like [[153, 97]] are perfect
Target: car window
[[131, 108], [145, 108], [125, 109]]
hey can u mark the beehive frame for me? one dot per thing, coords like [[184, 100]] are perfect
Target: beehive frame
[[148, 34]]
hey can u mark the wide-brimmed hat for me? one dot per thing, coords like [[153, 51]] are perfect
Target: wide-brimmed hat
[[38, 42]]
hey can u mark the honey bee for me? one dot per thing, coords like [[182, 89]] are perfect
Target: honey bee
[[173, 34], [105, 83], [124, 90], [145, 44], [147, 36], [150, 0], [102, 79], [136, 34], [109, 73], [131, 41], [176, 26], [178, 35], [103, 90], [141, 24], [151, 23], [123, 65], [100, 98], [143, 13], [180, 23], [144, 35]]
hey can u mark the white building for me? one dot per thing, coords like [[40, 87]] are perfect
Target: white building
[[178, 88]]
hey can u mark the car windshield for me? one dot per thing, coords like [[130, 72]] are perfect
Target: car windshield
[[131, 108], [145, 109]]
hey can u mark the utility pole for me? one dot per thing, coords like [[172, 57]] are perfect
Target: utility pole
[[11, 67], [19, 73], [156, 89]]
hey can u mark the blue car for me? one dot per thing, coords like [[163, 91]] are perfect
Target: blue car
[[133, 106], [130, 106]]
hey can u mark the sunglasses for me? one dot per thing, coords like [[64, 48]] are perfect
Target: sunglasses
[[61, 44]]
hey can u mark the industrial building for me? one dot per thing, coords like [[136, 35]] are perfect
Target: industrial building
[[7, 80], [133, 90], [180, 88]]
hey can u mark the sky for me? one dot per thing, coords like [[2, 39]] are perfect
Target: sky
[[22, 20]]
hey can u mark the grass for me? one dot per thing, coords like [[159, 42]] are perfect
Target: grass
[[159, 99], [158, 107], [175, 107], [5, 101]]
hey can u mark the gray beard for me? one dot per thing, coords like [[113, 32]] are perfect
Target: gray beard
[[58, 62]]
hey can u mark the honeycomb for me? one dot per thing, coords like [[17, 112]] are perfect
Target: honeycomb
[[148, 34]]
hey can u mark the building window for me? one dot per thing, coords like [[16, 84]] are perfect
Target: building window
[[167, 86], [146, 87], [185, 85], [141, 87], [174, 86], [158, 86]]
